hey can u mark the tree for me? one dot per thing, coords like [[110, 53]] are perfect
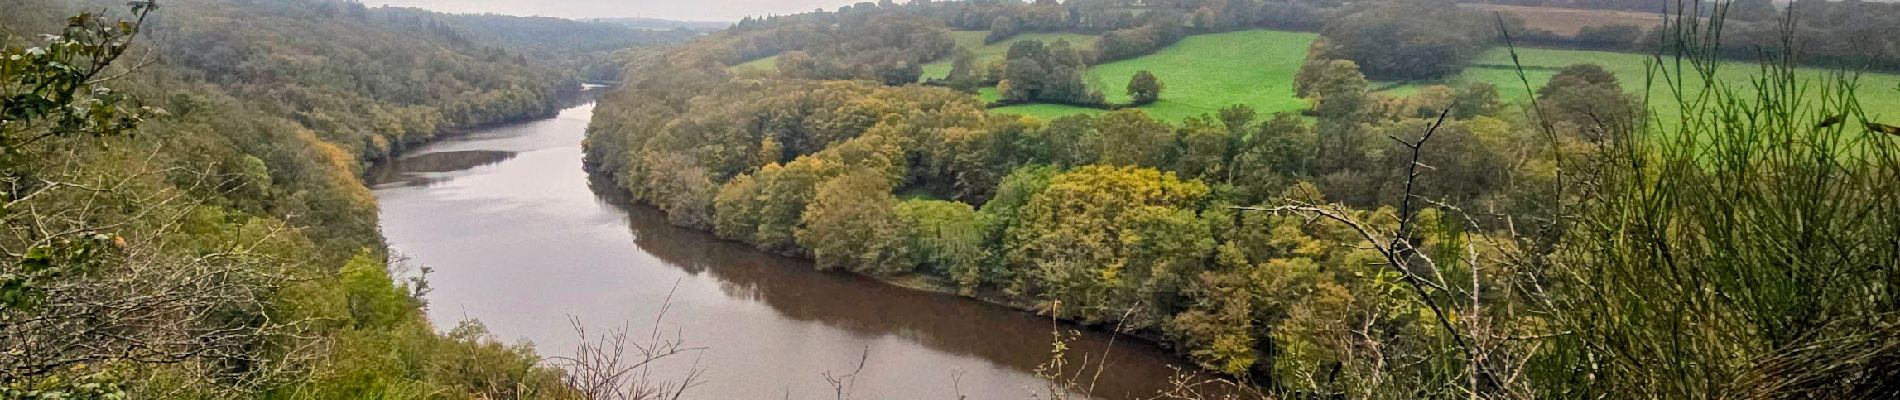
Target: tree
[[1275, 154], [1586, 100], [1002, 28], [797, 64], [965, 74], [1409, 39], [774, 213], [1337, 89], [947, 239], [1145, 88], [1004, 210], [1133, 42], [852, 224], [1073, 141], [1033, 72], [1131, 137], [1106, 240], [1204, 149], [1237, 118], [1609, 37]]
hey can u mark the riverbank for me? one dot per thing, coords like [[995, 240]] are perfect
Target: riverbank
[[515, 237], [603, 184], [924, 284]]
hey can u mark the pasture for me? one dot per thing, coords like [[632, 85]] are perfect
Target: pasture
[[1878, 93], [1203, 74], [767, 64], [985, 53]]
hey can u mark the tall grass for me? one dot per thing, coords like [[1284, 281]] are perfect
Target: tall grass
[[1749, 248]]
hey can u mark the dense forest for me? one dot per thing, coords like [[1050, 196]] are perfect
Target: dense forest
[[183, 212], [1442, 243]]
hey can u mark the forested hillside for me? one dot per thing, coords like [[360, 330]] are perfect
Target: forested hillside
[[332, 67], [596, 51], [183, 212], [1444, 243]]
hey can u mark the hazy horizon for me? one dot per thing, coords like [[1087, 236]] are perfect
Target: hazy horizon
[[702, 10]]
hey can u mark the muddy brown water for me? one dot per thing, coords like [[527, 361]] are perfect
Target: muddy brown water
[[515, 237]]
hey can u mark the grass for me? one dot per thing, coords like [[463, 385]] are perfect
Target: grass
[[973, 41], [1879, 93], [1203, 74], [767, 64]]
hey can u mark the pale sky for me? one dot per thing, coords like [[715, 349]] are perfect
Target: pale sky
[[694, 10]]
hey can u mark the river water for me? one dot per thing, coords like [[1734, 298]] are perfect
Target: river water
[[516, 238]]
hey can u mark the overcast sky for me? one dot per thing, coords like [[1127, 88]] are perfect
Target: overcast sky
[[695, 10]]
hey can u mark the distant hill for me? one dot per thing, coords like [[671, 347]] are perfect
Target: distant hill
[[663, 24], [531, 34], [582, 48]]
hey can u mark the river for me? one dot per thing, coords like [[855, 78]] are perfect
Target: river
[[516, 238]]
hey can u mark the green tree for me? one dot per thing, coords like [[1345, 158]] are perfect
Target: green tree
[[1274, 155], [946, 237], [1204, 149], [966, 75], [1409, 39], [735, 207], [1131, 137], [1034, 72], [376, 302], [1337, 89], [1586, 100], [1002, 28], [1073, 141], [1017, 189], [1609, 37], [1145, 88]]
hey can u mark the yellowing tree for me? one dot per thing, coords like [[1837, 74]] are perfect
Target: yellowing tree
[[1104, 240], [851, 224]]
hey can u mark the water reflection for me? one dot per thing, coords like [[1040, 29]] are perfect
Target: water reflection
[[518, 240], [868, 307], [428, 168]]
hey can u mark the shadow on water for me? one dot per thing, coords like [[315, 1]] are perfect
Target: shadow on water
[[428, 168], [865, 306]]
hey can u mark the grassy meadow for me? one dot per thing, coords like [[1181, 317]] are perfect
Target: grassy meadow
[[767, 64], [1879, 93], [1204, 73]]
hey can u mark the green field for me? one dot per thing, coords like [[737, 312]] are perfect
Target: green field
[[973, 40], [767, 64], [1879, 93], [1203, 74]]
